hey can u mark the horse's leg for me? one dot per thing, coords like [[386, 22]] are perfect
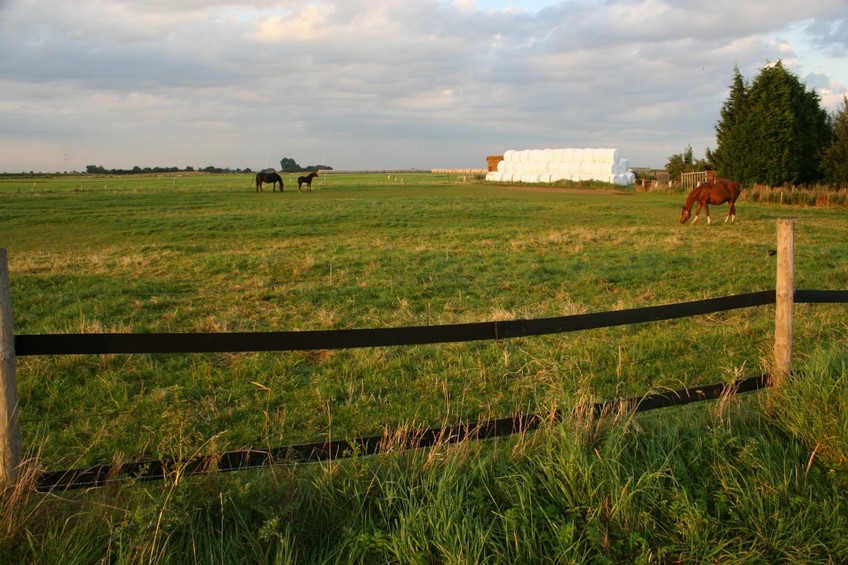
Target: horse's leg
[[697, 212], [707, 210], [731, 212]]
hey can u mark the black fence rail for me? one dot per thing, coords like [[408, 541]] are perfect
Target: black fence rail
[[151, 470], [73, 344]]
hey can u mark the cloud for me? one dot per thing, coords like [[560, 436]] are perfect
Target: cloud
[[387, 83]]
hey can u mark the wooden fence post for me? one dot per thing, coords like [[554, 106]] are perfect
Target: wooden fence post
[[10, 431], [785, 300]]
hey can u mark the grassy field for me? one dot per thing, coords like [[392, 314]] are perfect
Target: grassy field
[[208, 253]]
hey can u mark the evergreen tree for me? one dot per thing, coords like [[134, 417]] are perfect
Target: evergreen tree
[[769, 116], [835, 158], [773, 131], [730, 155]]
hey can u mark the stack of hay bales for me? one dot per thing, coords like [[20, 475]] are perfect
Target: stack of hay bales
[[552, 165], [492, 162]]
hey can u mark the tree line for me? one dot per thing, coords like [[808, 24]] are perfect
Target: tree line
[[287, 165], [100, 170], [774, 131]]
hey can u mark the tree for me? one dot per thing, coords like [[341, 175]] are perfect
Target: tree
[[731, 130], [773, 131], [680, 163], [288, 165], [835, 157]]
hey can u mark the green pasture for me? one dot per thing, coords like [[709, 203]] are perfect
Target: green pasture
[[210, 254], [753, 479]]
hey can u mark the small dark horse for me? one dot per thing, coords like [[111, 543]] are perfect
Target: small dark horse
[[307, 180], [707, 193], [268, 176]]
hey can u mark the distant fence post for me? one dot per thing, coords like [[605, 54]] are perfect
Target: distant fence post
[[10, 431], [785, 300]]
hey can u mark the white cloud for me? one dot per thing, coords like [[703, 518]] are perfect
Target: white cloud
[[388, 83]]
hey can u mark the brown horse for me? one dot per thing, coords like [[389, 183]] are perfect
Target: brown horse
[[268, 175], [707, 193]]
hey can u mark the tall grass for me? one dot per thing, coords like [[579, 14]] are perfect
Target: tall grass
[[709, 483]]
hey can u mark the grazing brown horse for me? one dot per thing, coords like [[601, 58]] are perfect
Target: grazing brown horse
[[707, 193], [268, 175], [307, 180]]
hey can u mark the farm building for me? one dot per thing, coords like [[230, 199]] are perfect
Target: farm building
[[551, 165]]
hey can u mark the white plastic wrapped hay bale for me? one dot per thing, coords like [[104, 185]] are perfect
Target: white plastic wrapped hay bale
[[607, 169], [547, 155], [577, 156], [557, 155], [606, 155], [545, 177], [568, 155], [587, 167], [509, 155]]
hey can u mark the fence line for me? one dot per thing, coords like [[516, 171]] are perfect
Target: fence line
[[71, 344], [75, 344], [690, 180]]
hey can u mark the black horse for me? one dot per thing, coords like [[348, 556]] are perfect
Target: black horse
[[307, 180], [268, 176]]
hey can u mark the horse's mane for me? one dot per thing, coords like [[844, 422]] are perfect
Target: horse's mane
[[696, 193]]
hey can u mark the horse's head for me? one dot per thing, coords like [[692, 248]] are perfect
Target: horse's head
[[684, 215]]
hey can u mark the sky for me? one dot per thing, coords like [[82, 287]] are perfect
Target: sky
[[388, 84]]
